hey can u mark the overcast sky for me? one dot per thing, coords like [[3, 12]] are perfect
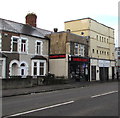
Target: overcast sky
[[53, 13]]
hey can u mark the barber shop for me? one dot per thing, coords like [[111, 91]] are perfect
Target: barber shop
[[78, 68]]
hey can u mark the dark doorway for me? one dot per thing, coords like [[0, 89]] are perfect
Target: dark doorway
[[104, 73], [113, 73], [93, 72]]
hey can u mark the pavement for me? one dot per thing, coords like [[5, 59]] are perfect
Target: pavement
[[48, 88]]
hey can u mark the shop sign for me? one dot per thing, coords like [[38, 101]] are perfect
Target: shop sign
[[104, 63], [57, 56], [77, 59]]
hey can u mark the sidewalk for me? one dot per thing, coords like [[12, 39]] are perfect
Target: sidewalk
[[46, 88]]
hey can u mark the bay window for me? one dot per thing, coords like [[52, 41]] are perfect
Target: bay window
[[38, 67]]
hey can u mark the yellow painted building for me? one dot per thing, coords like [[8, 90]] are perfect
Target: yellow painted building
[[101, 46]]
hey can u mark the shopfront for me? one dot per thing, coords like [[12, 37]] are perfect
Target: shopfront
[[104, 66], [78, 67]]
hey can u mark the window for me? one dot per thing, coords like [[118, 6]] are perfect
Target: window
[[0, 42], [93, 50], [23, 45], [107, 40], [41, 68], [97, 37], [79, 49], [23, 69], [39, 47], [38, 67], [97, 51], [15, 44], [76, 49], [35, 68], [118, 53], [100, 38]]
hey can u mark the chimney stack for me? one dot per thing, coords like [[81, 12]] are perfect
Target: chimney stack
[[31, 19]]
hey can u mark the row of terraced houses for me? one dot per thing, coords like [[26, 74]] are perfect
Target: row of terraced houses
[[86, 48]]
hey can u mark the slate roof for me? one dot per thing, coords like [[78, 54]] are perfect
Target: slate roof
[[11, 26]]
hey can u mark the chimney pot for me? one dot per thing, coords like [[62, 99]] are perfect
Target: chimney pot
[[31, 19], [55, 29]]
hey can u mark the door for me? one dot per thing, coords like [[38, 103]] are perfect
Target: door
[[93, 72], [113, 73]]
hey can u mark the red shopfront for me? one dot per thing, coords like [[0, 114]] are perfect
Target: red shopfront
[[80, 67]]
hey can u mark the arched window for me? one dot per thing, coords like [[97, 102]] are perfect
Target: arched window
[[14, 69], [23, 69]]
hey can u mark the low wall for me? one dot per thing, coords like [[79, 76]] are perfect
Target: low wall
[[20, 82]]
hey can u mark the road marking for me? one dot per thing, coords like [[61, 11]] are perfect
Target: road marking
[[103, 94], [40, 109]]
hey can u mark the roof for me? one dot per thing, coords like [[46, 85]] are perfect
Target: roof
[[38, 57], [11, 26], [89, 19]]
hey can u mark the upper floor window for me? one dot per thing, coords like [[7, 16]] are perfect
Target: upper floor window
[[76, 49], [39, 47], [23, 45], [118, 53], [79, 49], [15, 44], [97, 37]]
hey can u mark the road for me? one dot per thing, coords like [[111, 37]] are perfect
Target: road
[[97, 100]]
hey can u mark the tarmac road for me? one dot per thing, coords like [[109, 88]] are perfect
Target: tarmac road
[[99, 100]]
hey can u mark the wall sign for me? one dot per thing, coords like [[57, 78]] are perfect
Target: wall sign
[[104, 63], [57, 56], [78, 59]]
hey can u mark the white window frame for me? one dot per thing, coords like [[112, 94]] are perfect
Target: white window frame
[[24, 67], [25, 44], [41, 47], [3, 67], [18, 39], [80, 49], [0, 42], [38, 67]]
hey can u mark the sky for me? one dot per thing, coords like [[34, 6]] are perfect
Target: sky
[[53, 13]]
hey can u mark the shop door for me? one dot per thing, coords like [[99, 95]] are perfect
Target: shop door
[[104, 73], [113, 73], [93, 72]]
